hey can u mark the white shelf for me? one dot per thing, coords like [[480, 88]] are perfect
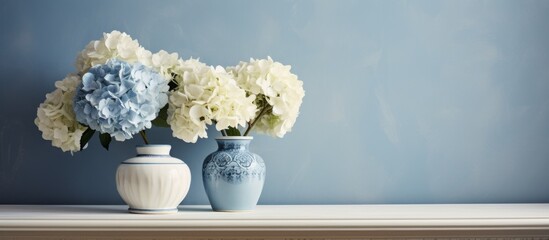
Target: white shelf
[[272, 221]]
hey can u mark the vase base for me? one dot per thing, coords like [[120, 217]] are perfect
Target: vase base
[[152, 211]]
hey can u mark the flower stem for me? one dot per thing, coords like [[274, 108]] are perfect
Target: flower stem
[[252, 124], [144, 136]]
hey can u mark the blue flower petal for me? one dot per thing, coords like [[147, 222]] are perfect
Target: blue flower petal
[[119, 98]]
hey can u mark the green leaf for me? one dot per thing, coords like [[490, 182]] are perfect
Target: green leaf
[[162, 119], [86, 136], [105, 140], [231, 131]]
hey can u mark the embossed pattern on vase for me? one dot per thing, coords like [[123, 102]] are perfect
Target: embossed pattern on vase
[[153, 183], [148, 187], [233, 176], [234, 165]]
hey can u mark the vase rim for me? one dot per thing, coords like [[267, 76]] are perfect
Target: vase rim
[[235, 138], [152, 145]]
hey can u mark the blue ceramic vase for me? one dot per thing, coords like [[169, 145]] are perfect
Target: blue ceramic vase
[[233, 176]]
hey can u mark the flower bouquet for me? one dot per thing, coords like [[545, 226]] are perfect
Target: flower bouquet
[[260, 95], [118, 90], [121, 89]]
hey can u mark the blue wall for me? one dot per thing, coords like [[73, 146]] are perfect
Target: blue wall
[[406, 101]]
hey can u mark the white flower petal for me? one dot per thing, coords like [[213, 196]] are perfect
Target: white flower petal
[[212, 95], [273, 82], [55, 118]]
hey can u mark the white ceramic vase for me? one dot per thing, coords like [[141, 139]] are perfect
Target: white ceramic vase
[[153, 182]]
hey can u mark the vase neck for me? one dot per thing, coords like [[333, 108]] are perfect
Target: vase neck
[[153, 150], [234, 144]]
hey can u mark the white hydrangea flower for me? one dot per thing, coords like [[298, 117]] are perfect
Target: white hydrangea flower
[[113, 45], [278, 92], [164, 63], [206, 95], [122, 47], [56, 119], [144, 56]]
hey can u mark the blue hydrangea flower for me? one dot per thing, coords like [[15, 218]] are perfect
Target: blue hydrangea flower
[[119, 98]]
